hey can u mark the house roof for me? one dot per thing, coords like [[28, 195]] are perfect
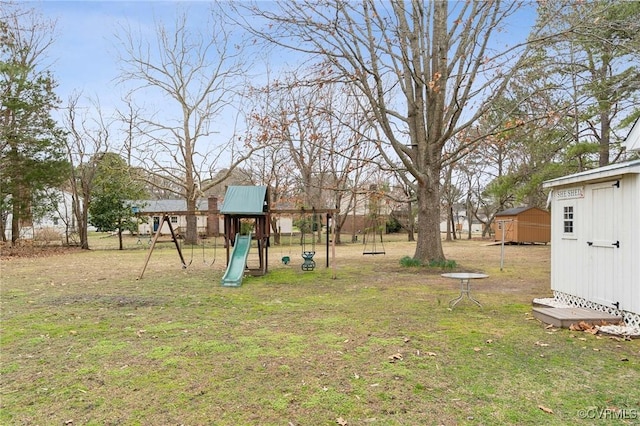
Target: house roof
[[515, 211], [169, 205], [245, 200], [606, 172]]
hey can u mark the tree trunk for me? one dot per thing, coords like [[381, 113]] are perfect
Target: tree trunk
[[15, 220], [276, 231], [81, 211], [83, 225], [3, 226], [121, 246], [429, 245], [410, 222], [605, 133], [191, 234]]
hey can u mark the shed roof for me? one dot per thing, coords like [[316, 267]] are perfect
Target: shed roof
[[249, 200], [516, 211], [606, 172]]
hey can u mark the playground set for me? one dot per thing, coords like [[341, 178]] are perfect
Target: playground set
[[249, 205]]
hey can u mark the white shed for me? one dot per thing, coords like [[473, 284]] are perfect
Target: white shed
[[595, 238]]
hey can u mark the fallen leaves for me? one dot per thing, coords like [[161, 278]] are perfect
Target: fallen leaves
[[395, 357], [545, 409], [584, 326]]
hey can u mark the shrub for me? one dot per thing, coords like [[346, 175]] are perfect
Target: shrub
[[410, 262], [443, 264], [45, 236], [393, 225]]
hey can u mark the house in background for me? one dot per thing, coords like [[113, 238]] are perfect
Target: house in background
[[595, 237], [209, 222], [55, 225], [522, 225]]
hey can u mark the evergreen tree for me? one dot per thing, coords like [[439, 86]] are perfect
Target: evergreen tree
[[32, 156], [591, 63], [114, 195]]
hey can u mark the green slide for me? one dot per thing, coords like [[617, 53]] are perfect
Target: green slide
[[235, 269]]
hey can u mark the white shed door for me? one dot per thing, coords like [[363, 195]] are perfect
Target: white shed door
[[603, 223]]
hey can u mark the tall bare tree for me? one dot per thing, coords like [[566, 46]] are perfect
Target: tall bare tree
[[89, 136], [321, 135], [194, 77], [428, 70]]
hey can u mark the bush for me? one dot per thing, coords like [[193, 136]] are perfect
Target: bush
[[410, 262], [443, 264], [393, 225], [45, 236]]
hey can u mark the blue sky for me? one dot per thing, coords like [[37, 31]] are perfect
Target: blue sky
[[84, 53], [84, 56]]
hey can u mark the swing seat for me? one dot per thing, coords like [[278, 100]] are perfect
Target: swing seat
[[373, 252], [309, 264], [286, 260]]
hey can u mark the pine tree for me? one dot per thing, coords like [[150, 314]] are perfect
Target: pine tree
[[32, 157]]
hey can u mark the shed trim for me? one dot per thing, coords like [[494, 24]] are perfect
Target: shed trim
[[601, 173]]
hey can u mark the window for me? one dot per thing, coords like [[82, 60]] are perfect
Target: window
[[568, 219], [174, 219]]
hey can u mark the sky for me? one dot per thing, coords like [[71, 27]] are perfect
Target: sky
[[84, 55], [86, 50]]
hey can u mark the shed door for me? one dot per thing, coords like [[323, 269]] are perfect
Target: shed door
[[603, 237]]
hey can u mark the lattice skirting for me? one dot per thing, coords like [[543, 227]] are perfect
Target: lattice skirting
[[630, 319]]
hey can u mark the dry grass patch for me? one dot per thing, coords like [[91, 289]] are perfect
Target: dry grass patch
[[84, 342]]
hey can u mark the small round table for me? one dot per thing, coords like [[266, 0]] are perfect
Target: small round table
[[465, 286]]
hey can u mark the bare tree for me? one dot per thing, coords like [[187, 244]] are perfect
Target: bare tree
[[348, 155], [428, 70], [196, 78], [319, 137], [89, 136]]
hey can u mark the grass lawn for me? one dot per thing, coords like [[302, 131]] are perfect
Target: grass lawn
[[83, 342]]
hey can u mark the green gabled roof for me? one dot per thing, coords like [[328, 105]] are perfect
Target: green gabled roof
[[249, 200]]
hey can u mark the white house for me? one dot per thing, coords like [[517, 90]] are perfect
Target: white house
[[595, 237], [57, 222], [154, 210]]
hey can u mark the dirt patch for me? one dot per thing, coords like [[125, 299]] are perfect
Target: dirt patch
[[112, 300], [8, 252]]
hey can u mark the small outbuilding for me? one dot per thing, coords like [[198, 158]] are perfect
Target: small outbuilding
[[595, 237], [523, 225]]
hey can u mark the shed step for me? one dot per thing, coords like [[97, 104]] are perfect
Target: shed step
[[564, 317]]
